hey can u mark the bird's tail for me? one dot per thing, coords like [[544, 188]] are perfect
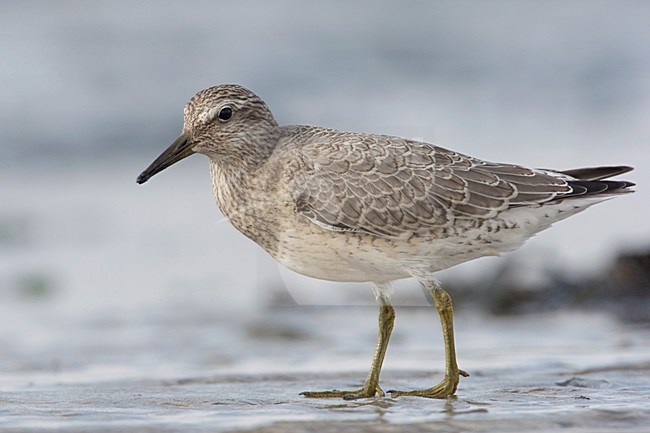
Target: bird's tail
[[593, 181]]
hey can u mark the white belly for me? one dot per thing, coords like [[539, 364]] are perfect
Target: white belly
[[344, 256]]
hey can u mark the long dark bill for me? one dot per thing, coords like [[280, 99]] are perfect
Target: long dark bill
[[179, 149]]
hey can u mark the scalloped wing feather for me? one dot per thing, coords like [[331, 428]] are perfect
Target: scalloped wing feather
[[391, 187]]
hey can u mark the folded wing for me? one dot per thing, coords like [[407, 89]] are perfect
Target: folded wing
[[391, 187]]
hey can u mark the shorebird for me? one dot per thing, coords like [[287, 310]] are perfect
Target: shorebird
[[354, 207]]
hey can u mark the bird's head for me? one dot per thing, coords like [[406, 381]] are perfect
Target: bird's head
[[228, 123]]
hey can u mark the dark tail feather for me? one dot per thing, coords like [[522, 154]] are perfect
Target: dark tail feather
[[598, 187], [590, 182], [597, 173]]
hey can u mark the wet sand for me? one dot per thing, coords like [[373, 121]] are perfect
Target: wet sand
[[189, 371]]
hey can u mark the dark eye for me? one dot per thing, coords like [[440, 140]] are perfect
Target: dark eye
[[225, 114]]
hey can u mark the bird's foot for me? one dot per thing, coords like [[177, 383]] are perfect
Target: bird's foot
[[365, 392], [444, 389]]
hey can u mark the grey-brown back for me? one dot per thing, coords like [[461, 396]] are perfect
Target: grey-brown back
[[392, 187]]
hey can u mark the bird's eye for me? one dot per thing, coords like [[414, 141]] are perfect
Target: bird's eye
[[225, 114]]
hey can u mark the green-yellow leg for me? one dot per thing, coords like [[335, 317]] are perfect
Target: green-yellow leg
[[449, 384], [371, 386]]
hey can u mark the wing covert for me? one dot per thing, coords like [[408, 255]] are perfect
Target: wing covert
[[392, 187]]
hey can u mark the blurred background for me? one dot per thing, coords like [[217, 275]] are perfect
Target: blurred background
[[93, 91]]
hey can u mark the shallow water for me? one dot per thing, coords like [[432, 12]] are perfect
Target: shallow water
[[171, 371]]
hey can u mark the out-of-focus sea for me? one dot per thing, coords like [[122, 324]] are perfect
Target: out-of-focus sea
[[126, 307]]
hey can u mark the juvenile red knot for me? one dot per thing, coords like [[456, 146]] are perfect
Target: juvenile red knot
[[345, 206]]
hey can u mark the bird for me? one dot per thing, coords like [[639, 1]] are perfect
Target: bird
[[358, 207]]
